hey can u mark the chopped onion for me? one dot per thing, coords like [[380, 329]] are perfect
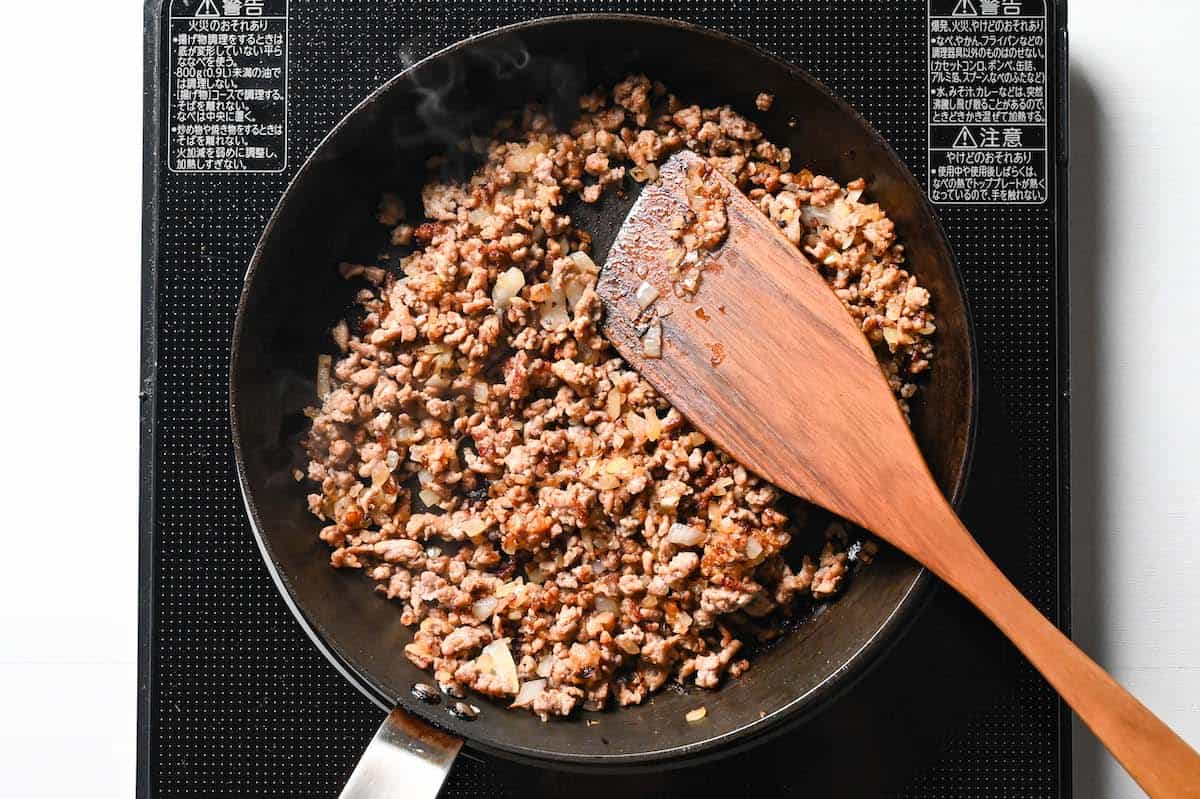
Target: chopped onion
[[682, 622], [686, 535], [608, 482], [502, 664], [428, 497], [573, 287], [604, 603], [554, 310], [636, 423], [753, 548], [652, 341], [838, 215], [508, 285], [523, 159], [341, 335], [324, 382], [483, 608], [693, 716], [646, 294], [475, 528], [545, 666], [613, 403], [619, 465], [380, 473], [653, 424], [529, 690], [585, 262]]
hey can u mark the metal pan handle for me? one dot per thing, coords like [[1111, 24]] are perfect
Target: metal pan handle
[[407, 758]]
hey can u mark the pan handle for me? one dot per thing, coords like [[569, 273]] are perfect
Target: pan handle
[[406, 758]]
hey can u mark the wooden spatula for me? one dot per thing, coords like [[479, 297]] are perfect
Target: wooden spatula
[[775, 371]]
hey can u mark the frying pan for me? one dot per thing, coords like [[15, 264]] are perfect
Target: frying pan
[[292, 296]]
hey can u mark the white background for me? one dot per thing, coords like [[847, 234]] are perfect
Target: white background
[[70, 250]]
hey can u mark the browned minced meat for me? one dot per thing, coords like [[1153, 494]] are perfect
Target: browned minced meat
[[698, 228], [488, 460]]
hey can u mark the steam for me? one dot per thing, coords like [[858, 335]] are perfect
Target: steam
[[507, 61], [450, 114]]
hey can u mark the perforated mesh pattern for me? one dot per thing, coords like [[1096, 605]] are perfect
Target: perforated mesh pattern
[[244, 705]]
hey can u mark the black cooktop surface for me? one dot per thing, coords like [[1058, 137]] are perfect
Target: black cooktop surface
[[236, 701]]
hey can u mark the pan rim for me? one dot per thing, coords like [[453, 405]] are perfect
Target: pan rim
[[801, 707]]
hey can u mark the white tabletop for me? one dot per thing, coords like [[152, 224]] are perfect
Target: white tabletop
[[1135, 255], [70, 247]]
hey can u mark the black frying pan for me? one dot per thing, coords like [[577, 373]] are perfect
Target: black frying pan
[[293, 295]]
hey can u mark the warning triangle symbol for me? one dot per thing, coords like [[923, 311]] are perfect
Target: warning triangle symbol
[[965, 8], [965, 140], [208, 8]]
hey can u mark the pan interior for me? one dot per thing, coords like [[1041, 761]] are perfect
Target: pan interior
[[293, 296]]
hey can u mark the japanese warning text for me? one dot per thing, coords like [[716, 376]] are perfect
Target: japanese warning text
[[988, 102], [228, 86]]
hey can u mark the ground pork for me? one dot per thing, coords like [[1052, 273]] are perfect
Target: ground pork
[[482, 453]]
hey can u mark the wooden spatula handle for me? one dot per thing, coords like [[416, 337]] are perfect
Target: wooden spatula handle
[[782, 378], [1158, 759]]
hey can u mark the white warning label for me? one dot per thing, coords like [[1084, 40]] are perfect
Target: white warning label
[[988, 101], [228, 86]]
